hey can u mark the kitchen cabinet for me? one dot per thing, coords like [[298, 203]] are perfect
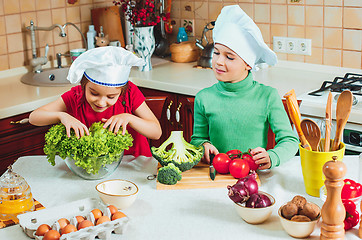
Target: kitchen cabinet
[[19, 138], [174, 112]]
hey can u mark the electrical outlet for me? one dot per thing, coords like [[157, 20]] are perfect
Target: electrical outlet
[[189, 25], [279, 44], [304, 46], [292, 45]]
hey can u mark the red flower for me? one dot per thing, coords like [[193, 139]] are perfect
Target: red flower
[[141, 12]]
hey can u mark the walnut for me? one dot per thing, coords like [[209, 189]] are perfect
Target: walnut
[[310, 210], [299, 201], [300, 218], [289, 210]]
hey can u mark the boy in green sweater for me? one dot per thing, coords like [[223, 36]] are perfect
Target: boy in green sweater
[[236, 112]]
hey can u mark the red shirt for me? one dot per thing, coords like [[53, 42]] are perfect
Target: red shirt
[[78, 107]]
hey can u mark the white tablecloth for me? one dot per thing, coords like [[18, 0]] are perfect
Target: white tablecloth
[[172, 214]]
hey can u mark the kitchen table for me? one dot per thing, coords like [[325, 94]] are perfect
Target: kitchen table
[[172, 214]]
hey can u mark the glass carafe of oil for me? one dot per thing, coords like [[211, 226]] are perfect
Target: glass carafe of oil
[[15, 195]]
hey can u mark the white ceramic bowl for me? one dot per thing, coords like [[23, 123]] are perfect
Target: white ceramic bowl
[[298, 229], [255, 215], [117, 192]]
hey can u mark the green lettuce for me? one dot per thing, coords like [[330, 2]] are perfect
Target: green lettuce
[[89, 152]]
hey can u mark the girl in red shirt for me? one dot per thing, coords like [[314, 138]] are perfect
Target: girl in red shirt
[[106, 95]]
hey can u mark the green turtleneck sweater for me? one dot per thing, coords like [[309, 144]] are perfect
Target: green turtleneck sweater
[[238, 115]]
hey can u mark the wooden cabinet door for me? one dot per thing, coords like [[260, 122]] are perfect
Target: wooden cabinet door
[[17, 140], [162, 105], [187, 116]]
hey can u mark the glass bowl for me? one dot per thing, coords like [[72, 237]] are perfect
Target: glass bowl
[[104, 171]]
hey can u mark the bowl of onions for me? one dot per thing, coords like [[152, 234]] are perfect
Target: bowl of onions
[[252, 205]]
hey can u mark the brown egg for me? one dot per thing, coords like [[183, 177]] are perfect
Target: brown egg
[[118, 215], [79, 219], [113, 209], [68, 229], [63, 222], [42, 229], [84, 224], [52, 235], [103, 219], [97, 213]]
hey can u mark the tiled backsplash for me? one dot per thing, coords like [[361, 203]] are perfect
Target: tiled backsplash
[[335, 26], [15, 16]]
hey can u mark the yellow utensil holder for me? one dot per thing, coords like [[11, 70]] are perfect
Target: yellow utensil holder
[[312, 166]]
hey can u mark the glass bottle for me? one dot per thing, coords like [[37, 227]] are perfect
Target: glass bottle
[[182, 35]]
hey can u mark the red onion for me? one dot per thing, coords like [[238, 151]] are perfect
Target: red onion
[[238, 193], [250, 184], [258, 200]]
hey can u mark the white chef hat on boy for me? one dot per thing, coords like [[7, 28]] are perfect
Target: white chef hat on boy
[[108, 66], [236, 30]]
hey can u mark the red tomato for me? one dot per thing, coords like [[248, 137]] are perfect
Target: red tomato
[[235, 153], [221, 163], [253, 166], [239, 168]]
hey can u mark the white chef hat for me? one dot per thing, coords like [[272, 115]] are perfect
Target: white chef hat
[[108, 66], [236, 30]]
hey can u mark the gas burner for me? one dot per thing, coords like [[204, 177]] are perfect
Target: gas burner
[[355, 100], [350, 81]]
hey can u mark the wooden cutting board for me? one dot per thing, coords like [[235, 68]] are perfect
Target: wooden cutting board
[[198, 177]]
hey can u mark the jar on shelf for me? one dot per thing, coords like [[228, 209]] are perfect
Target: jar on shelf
[[182, 35]]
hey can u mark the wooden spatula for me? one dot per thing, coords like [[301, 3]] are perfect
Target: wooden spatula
[[327, 137], [311, 132], [344, 105]]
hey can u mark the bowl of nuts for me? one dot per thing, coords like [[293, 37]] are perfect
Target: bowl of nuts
[[299, 217]]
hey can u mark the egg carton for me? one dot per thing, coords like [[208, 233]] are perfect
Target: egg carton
[[32, 220]]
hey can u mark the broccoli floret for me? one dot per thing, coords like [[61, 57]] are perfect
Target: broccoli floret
[[169, 174], [182, 154]]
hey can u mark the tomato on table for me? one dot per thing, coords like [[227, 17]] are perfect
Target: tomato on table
[[235, 153], [249, 158], [221, 163], [239, 168]]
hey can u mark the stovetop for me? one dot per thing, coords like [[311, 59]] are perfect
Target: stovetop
[[314, 102], [350, 81]]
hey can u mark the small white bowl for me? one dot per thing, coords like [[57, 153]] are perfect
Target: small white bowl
[[298, 229], [255, 215], [117, 192]]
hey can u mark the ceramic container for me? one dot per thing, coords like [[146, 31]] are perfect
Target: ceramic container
[[255, 215], [297, 229], [117, 192]]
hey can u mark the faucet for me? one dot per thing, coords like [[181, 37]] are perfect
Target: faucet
[[37, 62]]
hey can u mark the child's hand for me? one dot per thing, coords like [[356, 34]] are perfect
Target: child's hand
[[209, 148], [117, 121], [261, 157], [71, 122]]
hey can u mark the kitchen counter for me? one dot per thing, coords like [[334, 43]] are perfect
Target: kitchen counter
[[183, 78], [171, 214]]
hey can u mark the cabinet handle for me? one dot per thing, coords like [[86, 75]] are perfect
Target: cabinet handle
[[168, 112], [22, 121], [178, 114]]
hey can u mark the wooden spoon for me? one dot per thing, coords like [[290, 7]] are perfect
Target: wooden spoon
[[327, 138], [344, 105], [311, 132]]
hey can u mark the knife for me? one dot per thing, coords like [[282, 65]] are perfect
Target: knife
[[328, 123], [212, 170]]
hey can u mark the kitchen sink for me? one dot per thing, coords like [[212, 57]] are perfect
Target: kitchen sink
[[55, 77]]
